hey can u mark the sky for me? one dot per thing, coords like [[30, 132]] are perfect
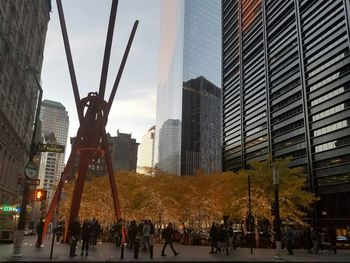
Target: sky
[[134, 106]]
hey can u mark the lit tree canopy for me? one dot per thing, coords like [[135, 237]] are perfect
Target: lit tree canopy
[[195, 200]]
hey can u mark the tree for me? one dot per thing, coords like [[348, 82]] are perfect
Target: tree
[[294, 200]]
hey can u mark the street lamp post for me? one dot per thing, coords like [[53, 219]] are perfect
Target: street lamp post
[[250, 217], [17, 246], [277, 225]]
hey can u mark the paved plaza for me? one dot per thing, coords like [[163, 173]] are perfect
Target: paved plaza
[[106, 252]]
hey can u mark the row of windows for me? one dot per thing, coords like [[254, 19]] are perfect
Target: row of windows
[[286, 101], [328, 96], [330, 128], [256, 141], [285, 88], [335, 179], [288, 128], [257, 129], [254, 108], [295, 154], [332, 161], [256, 118], [256, 153], [289, 142], [326, 49], [332, 145], [326, 65], [324, 82], [328, 112], [287, 114]]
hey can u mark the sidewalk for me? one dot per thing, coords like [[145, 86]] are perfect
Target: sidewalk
[[107, 252]]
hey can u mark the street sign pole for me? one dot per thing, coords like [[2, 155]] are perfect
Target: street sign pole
[[19, 234]]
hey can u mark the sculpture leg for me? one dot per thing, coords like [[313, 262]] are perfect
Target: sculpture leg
[[115, 196], [55, 200], [78, 190]]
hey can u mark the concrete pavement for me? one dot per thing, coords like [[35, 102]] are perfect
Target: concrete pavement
[[107, 252]]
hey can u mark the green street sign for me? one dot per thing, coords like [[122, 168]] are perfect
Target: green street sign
[[53, 148]]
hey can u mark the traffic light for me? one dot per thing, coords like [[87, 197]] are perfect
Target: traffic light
[[40, 194]]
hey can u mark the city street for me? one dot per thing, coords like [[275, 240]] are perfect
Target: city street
[[106, 252]]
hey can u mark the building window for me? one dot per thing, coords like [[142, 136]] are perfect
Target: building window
[[332, 145], [332, 127], [328, 96], [328, 112]]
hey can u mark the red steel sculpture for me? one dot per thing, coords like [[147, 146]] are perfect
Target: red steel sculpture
[[91, 140]]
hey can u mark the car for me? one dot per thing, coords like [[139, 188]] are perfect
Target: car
[[342, 238], [342, 242], [200, 237], [29, 232]]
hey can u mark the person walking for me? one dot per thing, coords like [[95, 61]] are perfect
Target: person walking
[[40, 230], [85, 236], [74, 231], [314, 240], [168, 235], [146, 234], [289, 240], [95, 231], [151, 236], [213, 238], [332, 238]]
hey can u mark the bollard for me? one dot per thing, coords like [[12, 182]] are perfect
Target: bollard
[[136, 250], [151, 251], [122, 251]]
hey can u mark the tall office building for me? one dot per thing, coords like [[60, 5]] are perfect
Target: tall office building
[[188, 134], [286, 73], [123, 150], [23, 26], [55, 123], [146, 151]]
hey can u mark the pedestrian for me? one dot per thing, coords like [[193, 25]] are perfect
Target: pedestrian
[[59, 230], [307, 240], [95, 231], [213, 234], [40, 230], [314, 240], [151, 236], [289, 240], [168, 235], [74, 231], [332, 238], [132, 232], [231, 238], [85, 236], [146, 234], [223, 239]]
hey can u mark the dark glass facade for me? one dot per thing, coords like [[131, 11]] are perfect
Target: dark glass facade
[[188, 137], [286, 77], [201, 104]]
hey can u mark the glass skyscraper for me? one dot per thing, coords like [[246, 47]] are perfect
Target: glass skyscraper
[[55, 123], [286, 93], [188, 121]]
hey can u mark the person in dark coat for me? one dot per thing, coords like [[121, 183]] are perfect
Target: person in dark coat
[[213, 238], [40, 230], [332, 238], [74, 231], [168, 235], [95, 231], [85, 236]]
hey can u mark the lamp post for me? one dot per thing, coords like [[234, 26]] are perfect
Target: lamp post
[[277, 225], [17, 246], [250, 217]]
